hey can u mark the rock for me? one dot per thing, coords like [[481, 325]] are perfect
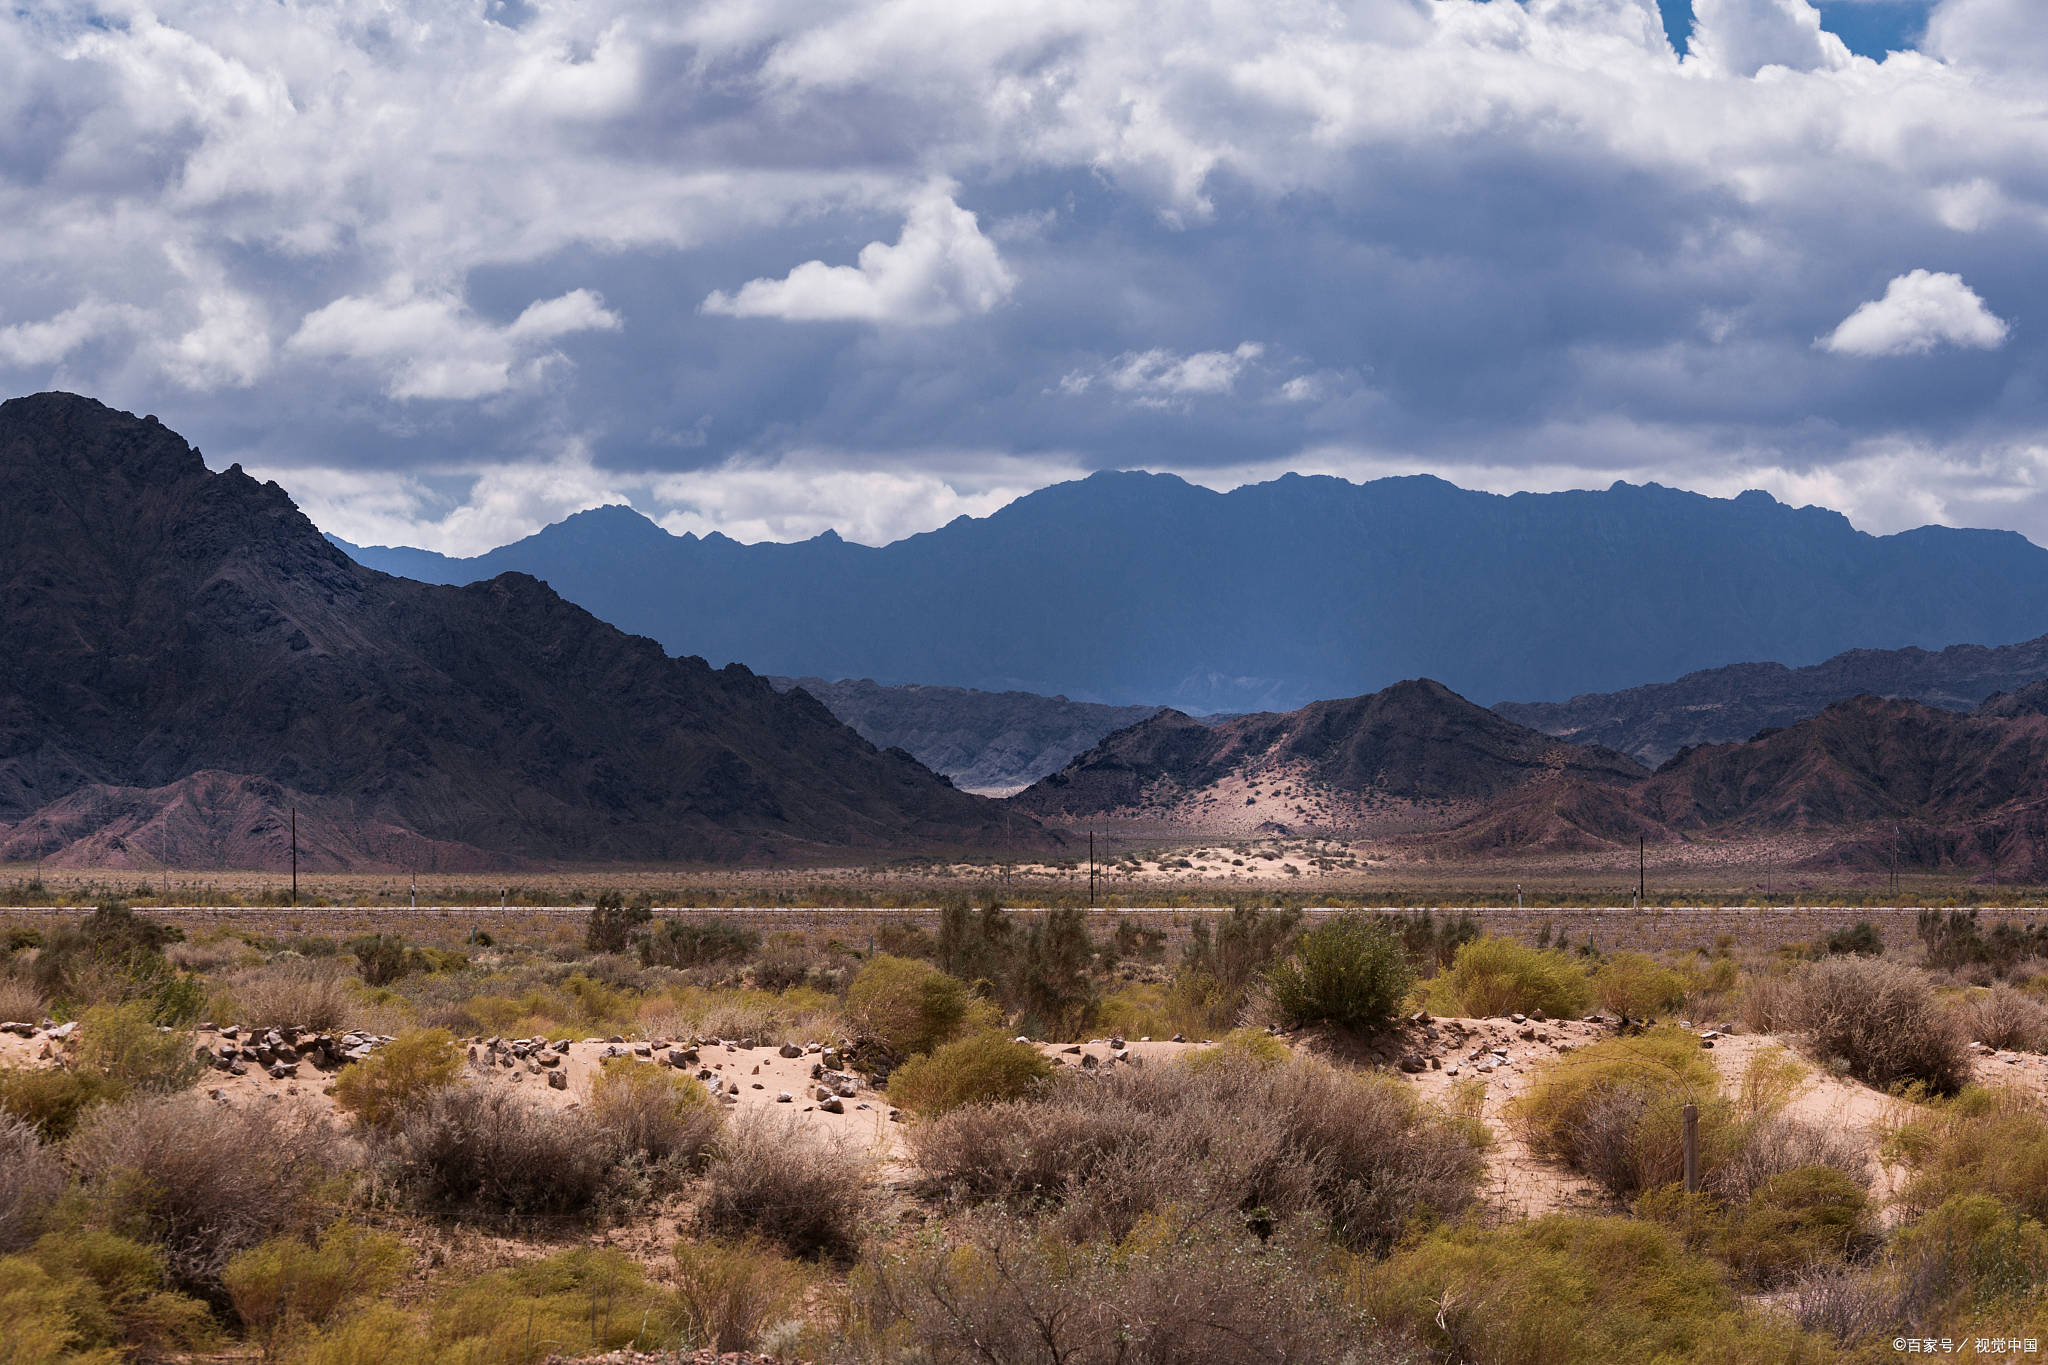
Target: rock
[[1411, 1063], [548, 1059], [1539, 1016], [1075, 1050], [789, 1050], [1518, 1018], [1180, 1038], [558, 1080], [831, 1105], [1088, 1061], [642, 1050], [563, 1046], [784, 1097], [63, 1032], [282, 1070], [1022, 1039], [895, 1116], [1115, 1043]]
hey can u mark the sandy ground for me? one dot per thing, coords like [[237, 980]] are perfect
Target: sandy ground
[[1498, 1057]]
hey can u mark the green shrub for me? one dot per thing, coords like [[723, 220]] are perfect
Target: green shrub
[[908, 1006], [1973, 1251], [1795, 1221], [112, 956], [1861, 939], [731, 1292], [1348, 971], [1981, 1142], [1613, 1110], [285, 1284], [123, 1043], [54, 1098], [1636, 985], [682, 943], [402, 1076], [86, 1295], [612, 921], [976, 1070], [1570, 1291], [1493, 976], [380, 958]]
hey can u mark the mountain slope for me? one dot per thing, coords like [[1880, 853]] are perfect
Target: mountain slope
[[188, 656], [1717, 705], [1414, 753], [1141, 588], [994, 742]]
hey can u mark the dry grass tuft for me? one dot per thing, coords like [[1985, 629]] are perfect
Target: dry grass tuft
[[305, 994], [777, 1181], [1881, 1021], [31, 1179]]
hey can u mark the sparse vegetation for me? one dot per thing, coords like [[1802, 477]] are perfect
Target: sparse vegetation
[[775, 1181], [403, 1076], [1494, 976], [1347, 971], [976, 1070], [1881, 1022]]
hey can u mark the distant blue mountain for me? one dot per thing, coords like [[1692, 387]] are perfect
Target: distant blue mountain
[[1127, 588]]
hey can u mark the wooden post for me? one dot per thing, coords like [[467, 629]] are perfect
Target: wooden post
[[1691, 1140]]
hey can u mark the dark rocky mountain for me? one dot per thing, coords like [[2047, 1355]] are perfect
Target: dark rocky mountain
[[1141, 588], [991, 742], [1716, 705], [187, 657], [1878, 778], [1412, 753]]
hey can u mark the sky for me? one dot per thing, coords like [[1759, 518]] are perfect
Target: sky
[[452, 271]]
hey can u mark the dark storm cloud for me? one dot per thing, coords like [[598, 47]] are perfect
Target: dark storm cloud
[[452, 270]]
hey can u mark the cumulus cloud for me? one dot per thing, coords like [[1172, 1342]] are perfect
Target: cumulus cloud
[[1741, 37], [1160, 377], [1919, 311], [939, 270], [431, 346]]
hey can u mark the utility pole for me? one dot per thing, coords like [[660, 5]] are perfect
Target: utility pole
[[1091, 869], [1642, 873], [295, 855]]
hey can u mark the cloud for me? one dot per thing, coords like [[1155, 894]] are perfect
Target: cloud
[[52, 340], [431, 346], [940, 269], [1918, 312], [1160, 378], [1741, 37]]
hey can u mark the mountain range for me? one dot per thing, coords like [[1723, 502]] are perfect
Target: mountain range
[[1712, 706], [1864, 783], [188, 661], [1132, 588], [994, 743]]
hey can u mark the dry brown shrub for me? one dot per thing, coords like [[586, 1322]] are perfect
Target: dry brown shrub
[[1846, 1306], [31, 1178], [776, 1180], [733, 1293], [1768, 1004], [1013, 1289], [484, 1150], [1882, 1022], [20, 1001], [657, 1115], [2003, 1017], [203, 1180], [305, 994], [1305, 1138], [1774, 1144]]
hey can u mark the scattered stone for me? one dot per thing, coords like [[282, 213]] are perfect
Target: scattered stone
[[1178, 1038], [558, 1080], [789, 1050], [784, 1097], [282, 1070], [1518, 1018], [1411, 1063], [831, 1106], [1539, 1016]]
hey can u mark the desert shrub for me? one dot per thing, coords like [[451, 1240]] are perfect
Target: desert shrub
[[1054, 987], [661, 1117], [1569, 1291], [775, 1180], [733, 1292], [2003, 1017], [1861, 939], [1613, 1110], [612, 921], [1348, 971], [1013, 1289], [908, 1006], [399, 1077], [1432, 943], [1981, 1142], [683, 943], [976, 1070], [1769, 1004], [302, 994], [31, 1178], [1772, 1144], [1958, 940], [485, 1150], [54, 1098], [113, 956], [286, 1284], [1972, 1251], [20, 1001], [571, 1305], [1492, 976], [122, 1043], [1880, 1020], [91, 1295], [1221, 962], [1240, 1047], [1358, 1152], [380, 958], [201, 1180], [799, 1015], [1797, 1220], [1637, 985]]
